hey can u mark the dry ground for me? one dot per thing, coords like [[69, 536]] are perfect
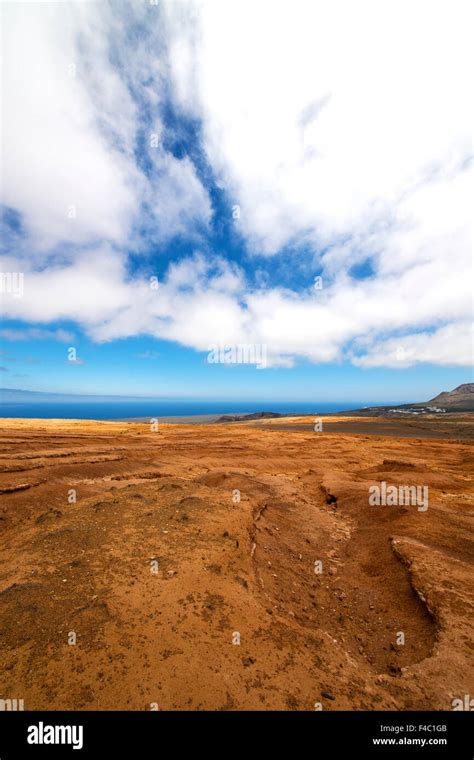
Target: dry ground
[[159, 570]]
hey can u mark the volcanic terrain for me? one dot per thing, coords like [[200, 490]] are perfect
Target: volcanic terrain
[[234, 566]]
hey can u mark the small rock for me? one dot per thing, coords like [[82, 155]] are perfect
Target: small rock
[[327, 695]]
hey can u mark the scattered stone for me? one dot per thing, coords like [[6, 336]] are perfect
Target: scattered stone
[[327, 695]]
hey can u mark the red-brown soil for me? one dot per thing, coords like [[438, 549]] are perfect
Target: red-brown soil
[[165, 634]]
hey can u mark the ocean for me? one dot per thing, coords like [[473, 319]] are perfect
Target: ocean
[[116, 410]]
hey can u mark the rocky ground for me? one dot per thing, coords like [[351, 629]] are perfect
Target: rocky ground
[[187, 568]]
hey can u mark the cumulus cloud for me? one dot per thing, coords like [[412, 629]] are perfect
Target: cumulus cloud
[[72, 120], [340, 127], [320, 118], [206, 300], [59, 173], [450, 345]]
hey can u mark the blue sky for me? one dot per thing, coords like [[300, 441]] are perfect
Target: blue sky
[[144, 367], [235, 181]]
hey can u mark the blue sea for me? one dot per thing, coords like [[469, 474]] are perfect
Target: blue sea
[[116, 410]]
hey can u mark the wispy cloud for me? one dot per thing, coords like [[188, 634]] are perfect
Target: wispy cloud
[[36, 333]]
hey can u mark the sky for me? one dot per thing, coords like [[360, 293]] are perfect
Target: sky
[[293, 177]]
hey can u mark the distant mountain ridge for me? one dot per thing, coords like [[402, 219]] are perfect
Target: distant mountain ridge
[[461, 398]]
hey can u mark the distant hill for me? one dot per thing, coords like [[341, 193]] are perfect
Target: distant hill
[[461, 399]]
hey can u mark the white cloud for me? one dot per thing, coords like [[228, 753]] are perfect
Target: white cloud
[[319, 117], [206, 300], [71, 126], [36, 333], [54, 155], [343, 125], [90, 289], [451, 345]]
